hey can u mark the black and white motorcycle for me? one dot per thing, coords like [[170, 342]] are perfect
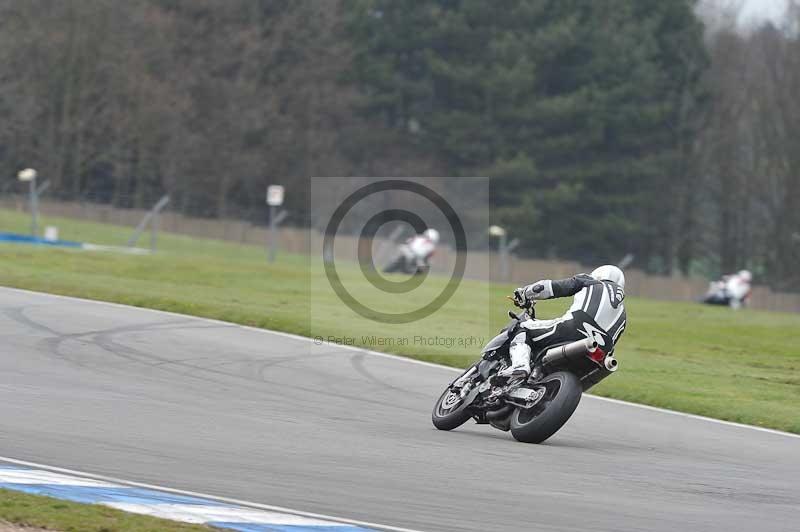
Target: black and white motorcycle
[[533, 409]]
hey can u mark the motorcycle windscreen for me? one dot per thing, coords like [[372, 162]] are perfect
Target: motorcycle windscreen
[[496, 342]]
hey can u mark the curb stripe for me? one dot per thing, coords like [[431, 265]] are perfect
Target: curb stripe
[[15, 465], [163, 504]]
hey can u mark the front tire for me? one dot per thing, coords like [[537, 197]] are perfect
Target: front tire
[[536, 424], [450, 411], [396, 265]]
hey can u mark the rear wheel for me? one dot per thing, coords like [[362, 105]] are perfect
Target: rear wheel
[[450, 411], [562, 394]]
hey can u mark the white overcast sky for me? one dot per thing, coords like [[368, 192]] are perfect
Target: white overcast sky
[[751, 12], [763, 10]]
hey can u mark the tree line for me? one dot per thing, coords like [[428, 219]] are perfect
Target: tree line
[[614, 127]]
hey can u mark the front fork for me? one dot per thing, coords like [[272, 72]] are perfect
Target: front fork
[[464, 378]]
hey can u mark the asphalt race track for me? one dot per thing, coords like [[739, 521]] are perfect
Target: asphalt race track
[[263, 417]]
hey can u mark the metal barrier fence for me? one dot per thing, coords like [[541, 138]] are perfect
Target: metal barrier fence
[[482, 265]]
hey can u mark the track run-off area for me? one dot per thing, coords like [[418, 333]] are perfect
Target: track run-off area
[[247, 414]]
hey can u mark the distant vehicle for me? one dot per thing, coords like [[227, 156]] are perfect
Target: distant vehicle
[[731, 290], [533, 408], [414, 254]]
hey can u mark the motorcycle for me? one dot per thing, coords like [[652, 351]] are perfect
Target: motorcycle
[[533, 408], [406, 265], [717, 293]]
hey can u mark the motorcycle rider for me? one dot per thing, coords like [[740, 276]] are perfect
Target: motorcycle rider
[[732, 290], [597, 312], [738, 288], [415, 253]]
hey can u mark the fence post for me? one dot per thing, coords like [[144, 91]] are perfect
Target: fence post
[[151, 214]]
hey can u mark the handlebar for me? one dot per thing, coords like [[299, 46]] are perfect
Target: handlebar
[[527, 308]]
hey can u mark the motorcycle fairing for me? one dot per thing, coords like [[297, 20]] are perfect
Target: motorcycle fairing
[[497, 341]]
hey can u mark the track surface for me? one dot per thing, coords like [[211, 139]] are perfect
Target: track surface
[[235, 412]]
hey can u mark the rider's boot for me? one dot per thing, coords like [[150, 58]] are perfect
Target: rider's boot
[[520, 353]]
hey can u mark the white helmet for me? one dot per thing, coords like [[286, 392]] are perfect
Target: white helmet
[[745, 276], [432, 235], [611, 273]]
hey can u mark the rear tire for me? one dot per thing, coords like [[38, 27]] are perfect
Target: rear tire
[[536, 424]]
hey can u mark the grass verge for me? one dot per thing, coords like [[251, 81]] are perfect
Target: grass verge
[[55, 514], [738, 366]]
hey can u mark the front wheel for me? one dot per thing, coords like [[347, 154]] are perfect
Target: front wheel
[[397, 265], [562, 394], [451, 410]]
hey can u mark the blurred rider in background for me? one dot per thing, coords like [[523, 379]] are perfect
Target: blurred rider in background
[[597, 312], [732, 290], [414, 255]]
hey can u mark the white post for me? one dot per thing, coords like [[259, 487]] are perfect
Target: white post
[[499, 232], [274, 200], [272, 238], [29, 175]]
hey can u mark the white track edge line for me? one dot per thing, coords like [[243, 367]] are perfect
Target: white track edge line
[[239, 502], [403, 359], [694, 416]]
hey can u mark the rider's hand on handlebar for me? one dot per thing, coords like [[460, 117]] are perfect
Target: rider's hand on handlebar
[[520, 299]]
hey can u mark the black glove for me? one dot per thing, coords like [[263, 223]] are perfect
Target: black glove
[[520, 298]]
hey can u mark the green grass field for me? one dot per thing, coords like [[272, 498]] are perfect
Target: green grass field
[[55, 514], [739, 366]]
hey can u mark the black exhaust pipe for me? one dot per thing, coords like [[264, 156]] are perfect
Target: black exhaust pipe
[[500, 413]]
